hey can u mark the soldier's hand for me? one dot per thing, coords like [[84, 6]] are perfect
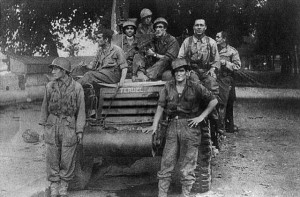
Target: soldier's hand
[[223, 62], [148, 129], [212, 73], [79, 138], [195, 121], [150, 52]]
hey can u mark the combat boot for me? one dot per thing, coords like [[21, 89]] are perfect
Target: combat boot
[[54, 189], [186, 191], [163, 187], [63, 189]]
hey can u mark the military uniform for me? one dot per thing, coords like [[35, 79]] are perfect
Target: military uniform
[[63, 116], [107, 66], [227, 85], [180, 137], [145, 29], [153, 67], [202, 55], [130, 49]]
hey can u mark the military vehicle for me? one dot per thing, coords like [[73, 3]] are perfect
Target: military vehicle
[[116, 130]]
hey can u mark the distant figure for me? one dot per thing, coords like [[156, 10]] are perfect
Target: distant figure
[[146, 26], [230, 62], [157, 59], [63, 118], [128, 42]]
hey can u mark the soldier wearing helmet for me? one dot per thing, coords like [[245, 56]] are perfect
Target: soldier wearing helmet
[[128, 42], [155, 63], [180, 99], [146, 26], [63, 118]]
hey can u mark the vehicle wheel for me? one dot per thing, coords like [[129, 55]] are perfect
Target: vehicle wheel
[[203, 170], [83, 171]]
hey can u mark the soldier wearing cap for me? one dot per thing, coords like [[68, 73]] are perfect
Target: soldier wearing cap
[[63, 118], [230, 62], [146, 26], [180, 100], [162, 50], [128, 42]]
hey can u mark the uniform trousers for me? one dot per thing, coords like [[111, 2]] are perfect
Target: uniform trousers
[[182, 139]]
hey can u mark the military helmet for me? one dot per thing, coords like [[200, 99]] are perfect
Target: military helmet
[[160, 20], [62, 63], [179, 63], [129, 23], [145, 12]]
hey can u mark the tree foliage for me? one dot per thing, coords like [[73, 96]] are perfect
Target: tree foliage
[[31, 26], [28, 27]]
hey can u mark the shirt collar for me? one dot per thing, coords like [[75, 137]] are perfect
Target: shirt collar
[[195, 39]]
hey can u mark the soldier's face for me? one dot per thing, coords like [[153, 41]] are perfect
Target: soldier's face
[[58, 73], [219, 38], [129, 31], [147, 20], [101, 41], [199, 27], [160, 30], [180, 74]]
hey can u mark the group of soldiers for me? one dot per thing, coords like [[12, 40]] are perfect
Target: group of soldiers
[[200, 85]]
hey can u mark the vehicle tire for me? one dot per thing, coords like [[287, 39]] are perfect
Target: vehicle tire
[[203, 170], [83, 170]]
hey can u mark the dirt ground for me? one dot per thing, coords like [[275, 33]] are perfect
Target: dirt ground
[[262, 159]]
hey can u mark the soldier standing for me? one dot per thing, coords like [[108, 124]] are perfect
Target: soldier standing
[[146, 26], [202, 53], [63, 119], [180, 99], [230, 62], [162, 50]]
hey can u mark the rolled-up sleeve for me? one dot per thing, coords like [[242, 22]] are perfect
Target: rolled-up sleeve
[[121, 60], [183, 49], [162, 97], [172, 49]]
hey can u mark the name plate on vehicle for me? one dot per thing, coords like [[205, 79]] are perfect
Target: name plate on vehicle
[[131, 90]]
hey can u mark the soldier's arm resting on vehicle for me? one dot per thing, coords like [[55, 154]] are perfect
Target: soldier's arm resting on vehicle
[[123, 76], [80, 117], [157, 116], [195, 121], [121, 61]]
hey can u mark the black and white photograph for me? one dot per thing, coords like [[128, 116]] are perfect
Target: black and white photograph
[[150, 98]]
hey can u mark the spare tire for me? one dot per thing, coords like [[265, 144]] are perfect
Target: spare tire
[[203, 170]]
